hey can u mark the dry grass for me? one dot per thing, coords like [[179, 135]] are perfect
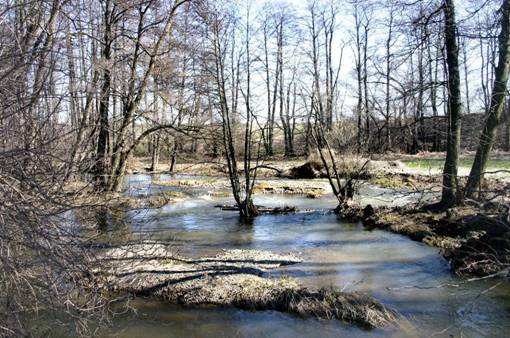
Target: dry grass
[[309, 189], [392, 182], [234, 279], [190, 183]]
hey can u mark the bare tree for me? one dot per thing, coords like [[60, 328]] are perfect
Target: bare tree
[[44, 263], [497, 102], [450, 172], [222, 35], [136, 87]]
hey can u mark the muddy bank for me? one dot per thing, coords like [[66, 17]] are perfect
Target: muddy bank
[[220, 187], [277, 167], [475, 240], [234, 278]]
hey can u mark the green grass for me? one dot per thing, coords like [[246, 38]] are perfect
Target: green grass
[[464, 162]]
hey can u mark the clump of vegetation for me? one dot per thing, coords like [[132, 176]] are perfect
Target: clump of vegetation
[[315, 193], [188, 182], [392, 181], [308, 170], [233, 279], [309, 190]]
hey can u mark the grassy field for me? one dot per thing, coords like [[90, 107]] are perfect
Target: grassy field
[[465, 162]]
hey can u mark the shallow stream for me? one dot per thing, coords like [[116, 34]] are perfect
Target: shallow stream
[[408, 276]]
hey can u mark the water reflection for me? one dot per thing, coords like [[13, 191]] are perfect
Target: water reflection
[[114, 226]]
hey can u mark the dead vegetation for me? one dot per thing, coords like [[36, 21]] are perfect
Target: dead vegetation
[[347, 168], [309, 189], [234, 278], [218, 186], [475, 240]]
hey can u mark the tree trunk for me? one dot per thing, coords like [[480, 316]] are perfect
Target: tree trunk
[[173, 158], [419, 128], [359, 105], [387, 80], [104, 98], [466, 74], [507, 136], [433, 74], [450, 179], [248, 210], [497, 102], [155, 152], [73, 100], [365, 88]]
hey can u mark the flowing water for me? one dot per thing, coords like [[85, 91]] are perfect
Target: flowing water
[[408, 276]]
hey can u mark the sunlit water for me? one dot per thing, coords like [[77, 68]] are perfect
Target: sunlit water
[[408, 276]]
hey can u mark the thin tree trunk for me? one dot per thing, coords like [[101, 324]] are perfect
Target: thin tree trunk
[[359, 106], [104, 98], [73, 101], [507, 136], [497, 102], [388, 76], [173, 158], [418, 131], [365, 87], [466, 74], [450, 178], [433, 75]]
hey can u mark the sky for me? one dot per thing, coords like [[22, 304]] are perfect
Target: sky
[[378, 33]]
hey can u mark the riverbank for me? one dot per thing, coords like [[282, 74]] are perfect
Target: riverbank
[[474, 240], [330, 251], [420, 165]]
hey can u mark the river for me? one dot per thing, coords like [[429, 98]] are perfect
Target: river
[[408, 276]]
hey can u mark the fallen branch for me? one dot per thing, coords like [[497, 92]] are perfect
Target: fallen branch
[[262, 209]]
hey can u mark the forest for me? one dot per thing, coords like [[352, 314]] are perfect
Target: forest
[[275, 168]]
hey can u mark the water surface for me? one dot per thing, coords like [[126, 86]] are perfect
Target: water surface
[[409, 276]]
